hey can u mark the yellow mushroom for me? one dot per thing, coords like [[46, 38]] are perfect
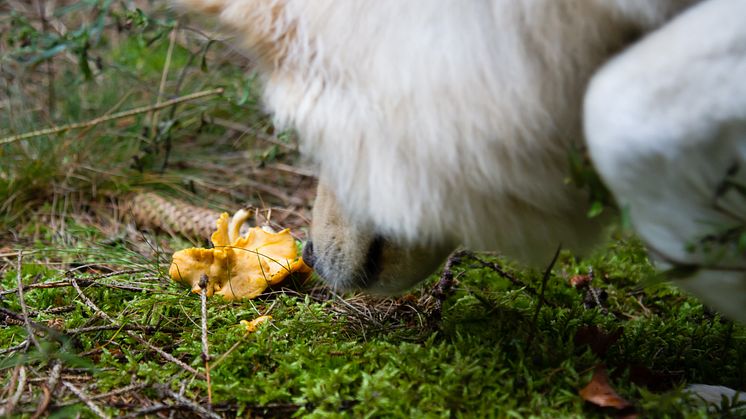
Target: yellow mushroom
[[238, 266], [252, 326]]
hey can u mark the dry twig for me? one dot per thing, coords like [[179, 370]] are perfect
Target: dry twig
[[11, 405], [540, 303], [22, 302], [205, 350], [133, 335], [18, 347], [182, 389], [249, 130], [84, 282], [144, 329], [443, 288], [196, 408], [85, 399], [151, 410], [116, 392], [106, 118], [48, 389]]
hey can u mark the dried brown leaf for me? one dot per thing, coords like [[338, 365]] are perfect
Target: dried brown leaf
[[601, 393], [579, 281]]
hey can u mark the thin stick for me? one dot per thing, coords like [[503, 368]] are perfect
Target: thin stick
[[18, 347], [22, 302], [133, 335], [106, 118], [84, 398], [11, 405], [48, 389], [84, 282], [151, 410], [146, 329], [115, 273], [10, 385], [540, 304], [192, 405], [443, 288], [11, 254], [115, 392], [182, 389], [203, 280]]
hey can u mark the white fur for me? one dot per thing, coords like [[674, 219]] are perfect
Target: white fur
[[452, 120], [449, 121], [665, 122]]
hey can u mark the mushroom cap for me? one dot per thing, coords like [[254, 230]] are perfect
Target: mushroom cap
[[238, 267]]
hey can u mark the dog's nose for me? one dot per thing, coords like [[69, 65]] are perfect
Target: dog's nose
[[308, 256]]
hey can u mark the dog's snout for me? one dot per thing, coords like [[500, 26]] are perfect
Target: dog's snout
[[373, 262], [308, 257]]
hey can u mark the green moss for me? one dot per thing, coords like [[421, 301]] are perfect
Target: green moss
[[484, 358]]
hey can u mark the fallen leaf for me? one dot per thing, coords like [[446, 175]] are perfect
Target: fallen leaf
[[600, 392]]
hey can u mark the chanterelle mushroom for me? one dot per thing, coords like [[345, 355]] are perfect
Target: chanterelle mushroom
[[238, 266]]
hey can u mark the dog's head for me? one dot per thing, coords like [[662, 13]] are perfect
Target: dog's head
[[355, 256], [427, 129]]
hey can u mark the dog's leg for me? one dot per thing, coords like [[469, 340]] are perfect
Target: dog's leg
[[666, 127]]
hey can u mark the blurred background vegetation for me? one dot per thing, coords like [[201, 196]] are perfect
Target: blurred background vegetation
[[64, 62]]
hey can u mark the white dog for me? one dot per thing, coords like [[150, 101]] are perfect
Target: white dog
[[438, 123]]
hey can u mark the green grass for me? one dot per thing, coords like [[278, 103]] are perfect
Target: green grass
[[488, 352]]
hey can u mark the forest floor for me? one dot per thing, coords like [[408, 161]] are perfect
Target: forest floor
[[92, 325]]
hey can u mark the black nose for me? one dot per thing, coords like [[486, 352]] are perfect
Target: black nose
[[308, 256]]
